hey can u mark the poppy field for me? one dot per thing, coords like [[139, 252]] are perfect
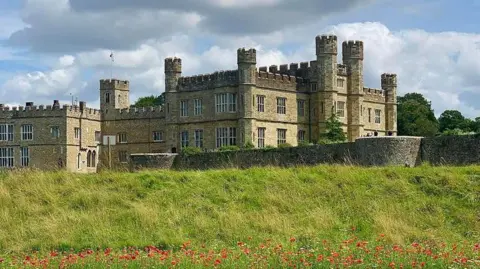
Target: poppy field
[[304, 217]]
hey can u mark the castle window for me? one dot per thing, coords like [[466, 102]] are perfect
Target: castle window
[[94, 158], [313, 87], [301, 108], [24, 156], [107, 97], [377, 115], [183, 108], [198, 136], [261, 137], [281, 136], [89, 156], [77, 132], [225, 102], [369, 115], [79, 160], [122, 137], [98, 136], [301, 136], [55, 131], [122, 156], [260, 103], [6, 132], [341, 109], [340, 83], [322, 107], [27, 132], [281, 105], [6, 157], [197, 107], [226, 136], [184, 139], [157, 136]]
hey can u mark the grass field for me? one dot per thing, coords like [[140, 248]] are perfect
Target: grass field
[[47, 211]]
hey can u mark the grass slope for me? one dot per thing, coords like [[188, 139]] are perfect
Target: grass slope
[[45, 210]]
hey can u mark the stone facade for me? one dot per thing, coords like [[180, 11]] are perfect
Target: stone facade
[[265, 106]]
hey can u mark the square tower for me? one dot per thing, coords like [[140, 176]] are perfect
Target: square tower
[[114, 94]]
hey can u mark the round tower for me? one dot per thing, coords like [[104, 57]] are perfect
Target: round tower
[[247, 65], [173, 71]]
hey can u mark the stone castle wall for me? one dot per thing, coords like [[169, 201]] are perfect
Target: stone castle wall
[[372, 151]]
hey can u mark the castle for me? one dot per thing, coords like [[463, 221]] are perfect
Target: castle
[[264, 106]]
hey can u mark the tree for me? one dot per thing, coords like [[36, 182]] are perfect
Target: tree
[[477, 125], [150, 101], [452, 119], [415, 116], [334, 131]]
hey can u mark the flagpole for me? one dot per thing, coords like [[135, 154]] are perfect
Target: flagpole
[[111, 65]]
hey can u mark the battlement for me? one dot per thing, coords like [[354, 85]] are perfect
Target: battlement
[[296, 69], [341, 70], [352, 49], [110, 84], [372, 91], [246, 56], [49, 111], [373, 95], [173, 65], [388, 80], [326, 44], [206, 81], [134, 113], [281, 81]]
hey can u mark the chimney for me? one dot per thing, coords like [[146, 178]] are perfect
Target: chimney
[[56, 104], [83, 104], [27, 104]]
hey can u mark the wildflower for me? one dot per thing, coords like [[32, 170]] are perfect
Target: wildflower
[[292, 239]]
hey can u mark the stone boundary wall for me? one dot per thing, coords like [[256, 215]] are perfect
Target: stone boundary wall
[[365, 151]]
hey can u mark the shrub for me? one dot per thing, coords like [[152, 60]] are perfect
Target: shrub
[[191, 150], [284, 145], [249, 145], [229, 148]]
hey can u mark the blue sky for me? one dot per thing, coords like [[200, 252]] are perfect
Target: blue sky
[[433, 46]]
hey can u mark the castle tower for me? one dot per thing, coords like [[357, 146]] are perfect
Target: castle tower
[[247, 77], [389, 85], [324, 101], [114, 94], [352, 56], [173, 71]]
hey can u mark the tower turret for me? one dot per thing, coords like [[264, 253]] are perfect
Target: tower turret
[[352, 56], [389, 85], [114, 94], [247, 65], [326, 80], [173, 71]]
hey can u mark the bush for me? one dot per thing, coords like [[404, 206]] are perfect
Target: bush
[[305, 144], [284, 145], [229, 148], [191, 150], [249, 145]]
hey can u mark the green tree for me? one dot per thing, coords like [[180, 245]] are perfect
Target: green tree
[[415, 116], [452, 119], [476, 125], [334, 131], [150, 101]]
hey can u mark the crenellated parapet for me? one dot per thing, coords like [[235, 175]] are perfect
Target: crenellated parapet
[[173, 65], [281, 81], [304, 70], [374, 95], [326, 44], [133, 113], [49, 111], [341, 70], [352, 49], [111, 84], [388, 80], [246, 56], [207, 81]]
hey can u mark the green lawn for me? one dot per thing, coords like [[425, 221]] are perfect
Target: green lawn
[[58, 210]]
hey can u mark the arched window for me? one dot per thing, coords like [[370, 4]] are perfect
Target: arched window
[[94, 155], [79, 159], [89, 156], [107, 97]]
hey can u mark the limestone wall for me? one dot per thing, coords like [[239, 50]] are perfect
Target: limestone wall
[[369, 151]]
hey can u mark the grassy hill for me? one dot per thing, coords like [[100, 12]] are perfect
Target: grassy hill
[[43, 210]]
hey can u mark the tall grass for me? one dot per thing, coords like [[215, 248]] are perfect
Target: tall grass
[[47, 210]]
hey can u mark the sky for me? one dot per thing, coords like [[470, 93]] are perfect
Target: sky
[[59, 49]]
